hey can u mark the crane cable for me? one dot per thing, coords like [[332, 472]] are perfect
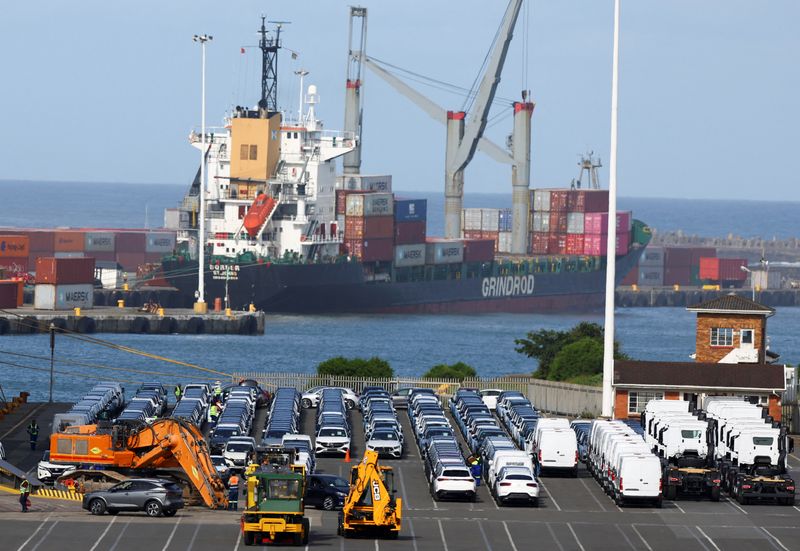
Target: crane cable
[[82, 375]]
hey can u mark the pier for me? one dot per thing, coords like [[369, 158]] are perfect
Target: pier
[[626, 297]]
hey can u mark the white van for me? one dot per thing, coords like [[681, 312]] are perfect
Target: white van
[[556, 448], [545, 423], [638, 479], [506, 458]]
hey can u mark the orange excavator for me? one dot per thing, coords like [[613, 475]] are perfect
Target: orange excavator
[[162, 444], [258, 213]]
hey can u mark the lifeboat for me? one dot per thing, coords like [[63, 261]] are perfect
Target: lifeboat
[[258, 213]]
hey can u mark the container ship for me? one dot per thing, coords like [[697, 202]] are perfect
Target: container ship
[[286, 234]]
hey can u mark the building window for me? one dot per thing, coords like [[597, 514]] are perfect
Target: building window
[[253, 152], [244, 152], [638, 400], [721, 336], [747, 336]]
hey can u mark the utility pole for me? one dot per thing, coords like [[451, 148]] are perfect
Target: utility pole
[[52, 357], [200, 306]]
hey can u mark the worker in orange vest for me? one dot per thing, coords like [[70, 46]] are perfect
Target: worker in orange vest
[[233, 493]]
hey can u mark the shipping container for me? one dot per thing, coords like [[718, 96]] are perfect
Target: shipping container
[[444, 251], [370, 204], [160, 242], [575, 222], [541, 221], [540, 200], [59, 271], [632, 277], [559, 200], [379, 227], [722, 269], [371, 250], [597, 222], [764, 279], [9, 291], [701, 252], [677, 275], [651, 276], [411, 210], [539, 243], [597, 245], [102, 256], [63, 297], [14, 246], [558, 222], [96, 241], [506, 220], [588, 200], [557, 243], [68, 241], [365, 182], [354, 227], [409, 233], [9, 267], [490, 219], [130, 242], [472, 219], [653, 256], [409, 255], [479, 250], [472, 234], [64, 254], [504, 242], [575, 244], [677, 256], [41, 241], [341, 199], [130, 261]]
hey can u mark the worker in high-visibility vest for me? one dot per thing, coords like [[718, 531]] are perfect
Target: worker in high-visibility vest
[[24, 492], [213, 413], [233, 493], [178, 393]]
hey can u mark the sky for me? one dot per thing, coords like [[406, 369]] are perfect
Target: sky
[[102, 91]]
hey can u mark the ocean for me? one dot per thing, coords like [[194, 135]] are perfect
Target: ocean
[[411, 343]]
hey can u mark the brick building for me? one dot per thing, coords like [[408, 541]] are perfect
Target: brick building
[[731, 358]]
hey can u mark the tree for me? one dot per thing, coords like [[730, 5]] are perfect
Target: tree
[[545, 344], [582, 357], [458, 370], [356, 367]]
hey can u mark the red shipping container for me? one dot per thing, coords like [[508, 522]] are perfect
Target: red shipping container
[[575, 243], [723, 269], [103, 256], [700, 252], [559, 201], [473, 234], [130, 262], [539, 243], [9, 291], [597, 222], [557, 243], [588, 200], [409, 233], [677, 257], [677, 275], [69, 241], [597, 245], [41, 241], [131, 242], [632, 277], [479, 250], [558, 222], [371, 250], [379, 227], [10, 266], [57, 271], [354, 227]]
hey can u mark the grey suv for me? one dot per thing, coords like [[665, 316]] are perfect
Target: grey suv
[[151, 495]]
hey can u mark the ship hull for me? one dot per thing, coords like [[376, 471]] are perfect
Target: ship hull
[[341, 288]]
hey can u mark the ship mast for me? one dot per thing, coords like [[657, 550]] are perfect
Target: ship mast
[[269, 66]]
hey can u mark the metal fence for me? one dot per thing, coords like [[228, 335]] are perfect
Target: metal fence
[[547, 396]]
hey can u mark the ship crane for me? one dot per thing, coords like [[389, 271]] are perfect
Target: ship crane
[[589, 165], [464, 137]]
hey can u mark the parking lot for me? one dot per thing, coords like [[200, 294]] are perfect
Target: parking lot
[[573, 514]]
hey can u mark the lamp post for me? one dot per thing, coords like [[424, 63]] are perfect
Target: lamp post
[[752, 280], [200, 306], [52, 357]]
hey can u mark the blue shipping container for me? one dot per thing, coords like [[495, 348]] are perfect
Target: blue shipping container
[[411, 210], [505, 220]]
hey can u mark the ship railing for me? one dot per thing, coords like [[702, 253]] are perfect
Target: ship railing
[[214, 134], [323, 239], [547, 396]]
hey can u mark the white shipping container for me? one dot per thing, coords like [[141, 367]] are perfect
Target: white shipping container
[[354, 205], [541, 200], [160, 242], [444, 252], [575, 222], [362, 182], [66, 254], [471, 219], [651, 277], [97, 242], [504, 242], [652, 257], [409, 255], [63, 297], [490, 219], [378, 204], [541, 221]]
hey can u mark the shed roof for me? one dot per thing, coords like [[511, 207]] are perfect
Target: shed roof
[[732, 304], [699, 375]]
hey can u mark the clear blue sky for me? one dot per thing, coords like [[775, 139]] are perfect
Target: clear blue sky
[[108, 91]]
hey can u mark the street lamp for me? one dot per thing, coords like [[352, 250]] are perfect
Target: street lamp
[[752, 280], [200, 306]]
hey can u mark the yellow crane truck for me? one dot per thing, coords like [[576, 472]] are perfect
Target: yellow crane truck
[[371, 505]]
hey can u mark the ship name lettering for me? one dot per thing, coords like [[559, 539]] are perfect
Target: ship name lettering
[[507, 286]]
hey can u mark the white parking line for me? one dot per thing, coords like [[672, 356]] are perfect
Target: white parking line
[[401, 478], [377, 547], [736, 505], [171, 534], [708, 538], [549, 494], [602, 507], [553, 535], [110, 524], [624, 535], [441, 533], [675, 503], [796, 508], [510, 539], [119, 536], [194, 537], [413, 535], [574, 535], [44, 538], [483, 535], [775, 539], [24, 543], [641, 537]]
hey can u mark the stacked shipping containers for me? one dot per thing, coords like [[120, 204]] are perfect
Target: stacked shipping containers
[[494, 224], [651, 267], [14, 251], [410, 228], [726, 272], [369, 226], [668, 266], [64, 283]]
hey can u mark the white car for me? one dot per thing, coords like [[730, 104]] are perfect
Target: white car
[[332, 440], [46, 471], [386, 442], [237, 451], [453, 481], [310, 398], [517, 484], [489, 397], [302, 443]]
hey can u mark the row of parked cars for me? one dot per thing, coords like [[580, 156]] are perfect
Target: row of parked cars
[[334, 431], [382, 429], [148, 404]]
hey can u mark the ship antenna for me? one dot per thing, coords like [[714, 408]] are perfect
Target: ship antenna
[[269, 65]]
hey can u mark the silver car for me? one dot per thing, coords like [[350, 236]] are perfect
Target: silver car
[[154, 496]]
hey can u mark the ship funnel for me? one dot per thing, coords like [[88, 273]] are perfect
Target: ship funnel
[[521, 176]]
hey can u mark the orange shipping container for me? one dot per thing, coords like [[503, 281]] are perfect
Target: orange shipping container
[[14, 245], [69, 241], [41, 241], [64, 271]]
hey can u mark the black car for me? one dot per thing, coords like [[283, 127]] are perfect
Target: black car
[[326, 491], [154, 496]]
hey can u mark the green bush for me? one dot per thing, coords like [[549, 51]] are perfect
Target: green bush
[[356, 367], [583, 357], [458, 370]]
